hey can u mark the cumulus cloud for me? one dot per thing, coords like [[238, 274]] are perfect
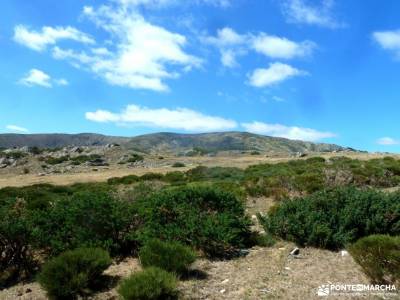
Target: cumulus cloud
[[289, 132], [388, 40], [387, 141], [280, 47], [18, 129], [144, 56], [180, 119], [39, 40], [40, 78], [275, 73], [301, 12], [232, 44]]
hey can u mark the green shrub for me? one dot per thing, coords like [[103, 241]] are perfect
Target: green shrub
[[135, 158], [170, 256], [263, 240], [90, 218], [379, 257], [77, 160], [332, 218], [174, 177], [178, 165], [56, 160], [150, 284], [73, 272], [129, 179], [204, 217], [152, 176], [16, 258]]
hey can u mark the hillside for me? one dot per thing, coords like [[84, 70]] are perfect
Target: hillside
[[171, 142], [225, 141], [54, 140]]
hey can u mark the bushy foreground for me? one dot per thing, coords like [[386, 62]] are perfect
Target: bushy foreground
[[203, 217], [379, 257], [73, 272], [169, 256], [150, 284], [333, 218]]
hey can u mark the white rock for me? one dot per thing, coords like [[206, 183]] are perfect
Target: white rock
[[344, 253], [225, 281], [222, 291]]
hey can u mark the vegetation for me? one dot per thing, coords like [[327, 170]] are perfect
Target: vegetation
[[206, 218], [56, 160], [169, 256], [90, 218], [135, 158], [77, 160], [323, 203], [335, 217], [73, 272], [16, 154], [151, 284], [178, 165], [379, 257]]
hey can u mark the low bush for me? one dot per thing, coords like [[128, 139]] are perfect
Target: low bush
[[379, 257], [129, 179], [16, 258], [135, 158], [333, 218], [204, 217], [73, 272], [150, 284], [56, 160], [90, 218], [169, 256], [178, 165]]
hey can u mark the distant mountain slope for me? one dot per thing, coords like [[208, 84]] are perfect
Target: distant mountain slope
[[171, 142], [57, 140], [220, 141]]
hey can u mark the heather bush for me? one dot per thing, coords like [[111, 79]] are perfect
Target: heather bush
[[149, 284], [379, 257], [91, 218], [74, 272], [170, 256], [332, 218], [204, 217]]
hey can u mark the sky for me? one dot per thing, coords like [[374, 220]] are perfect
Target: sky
[[321, 71]]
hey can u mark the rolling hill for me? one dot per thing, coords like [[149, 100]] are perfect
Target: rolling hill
[[172, 142]]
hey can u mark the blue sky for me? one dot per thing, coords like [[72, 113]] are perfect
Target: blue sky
[[324, 71]]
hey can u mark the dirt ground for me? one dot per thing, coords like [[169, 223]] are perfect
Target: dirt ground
[[265, 273]]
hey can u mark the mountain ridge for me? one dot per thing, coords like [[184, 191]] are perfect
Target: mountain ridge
[[171, 142]]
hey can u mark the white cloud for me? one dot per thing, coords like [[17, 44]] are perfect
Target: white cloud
[[36, 77], [232, 44], [289, 132], [145, 54], [40, 78], [164, 3], [15, 128], [280, 47], [388, 40], [387, 141], [275, 73], [301, 12], [48, 36], [180, 119], [61, 81]]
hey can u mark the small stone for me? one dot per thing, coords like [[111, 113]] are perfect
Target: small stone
[[222, 291], [295, 251], [287, 268], [344, 253], [225, 281], [28, 290]]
